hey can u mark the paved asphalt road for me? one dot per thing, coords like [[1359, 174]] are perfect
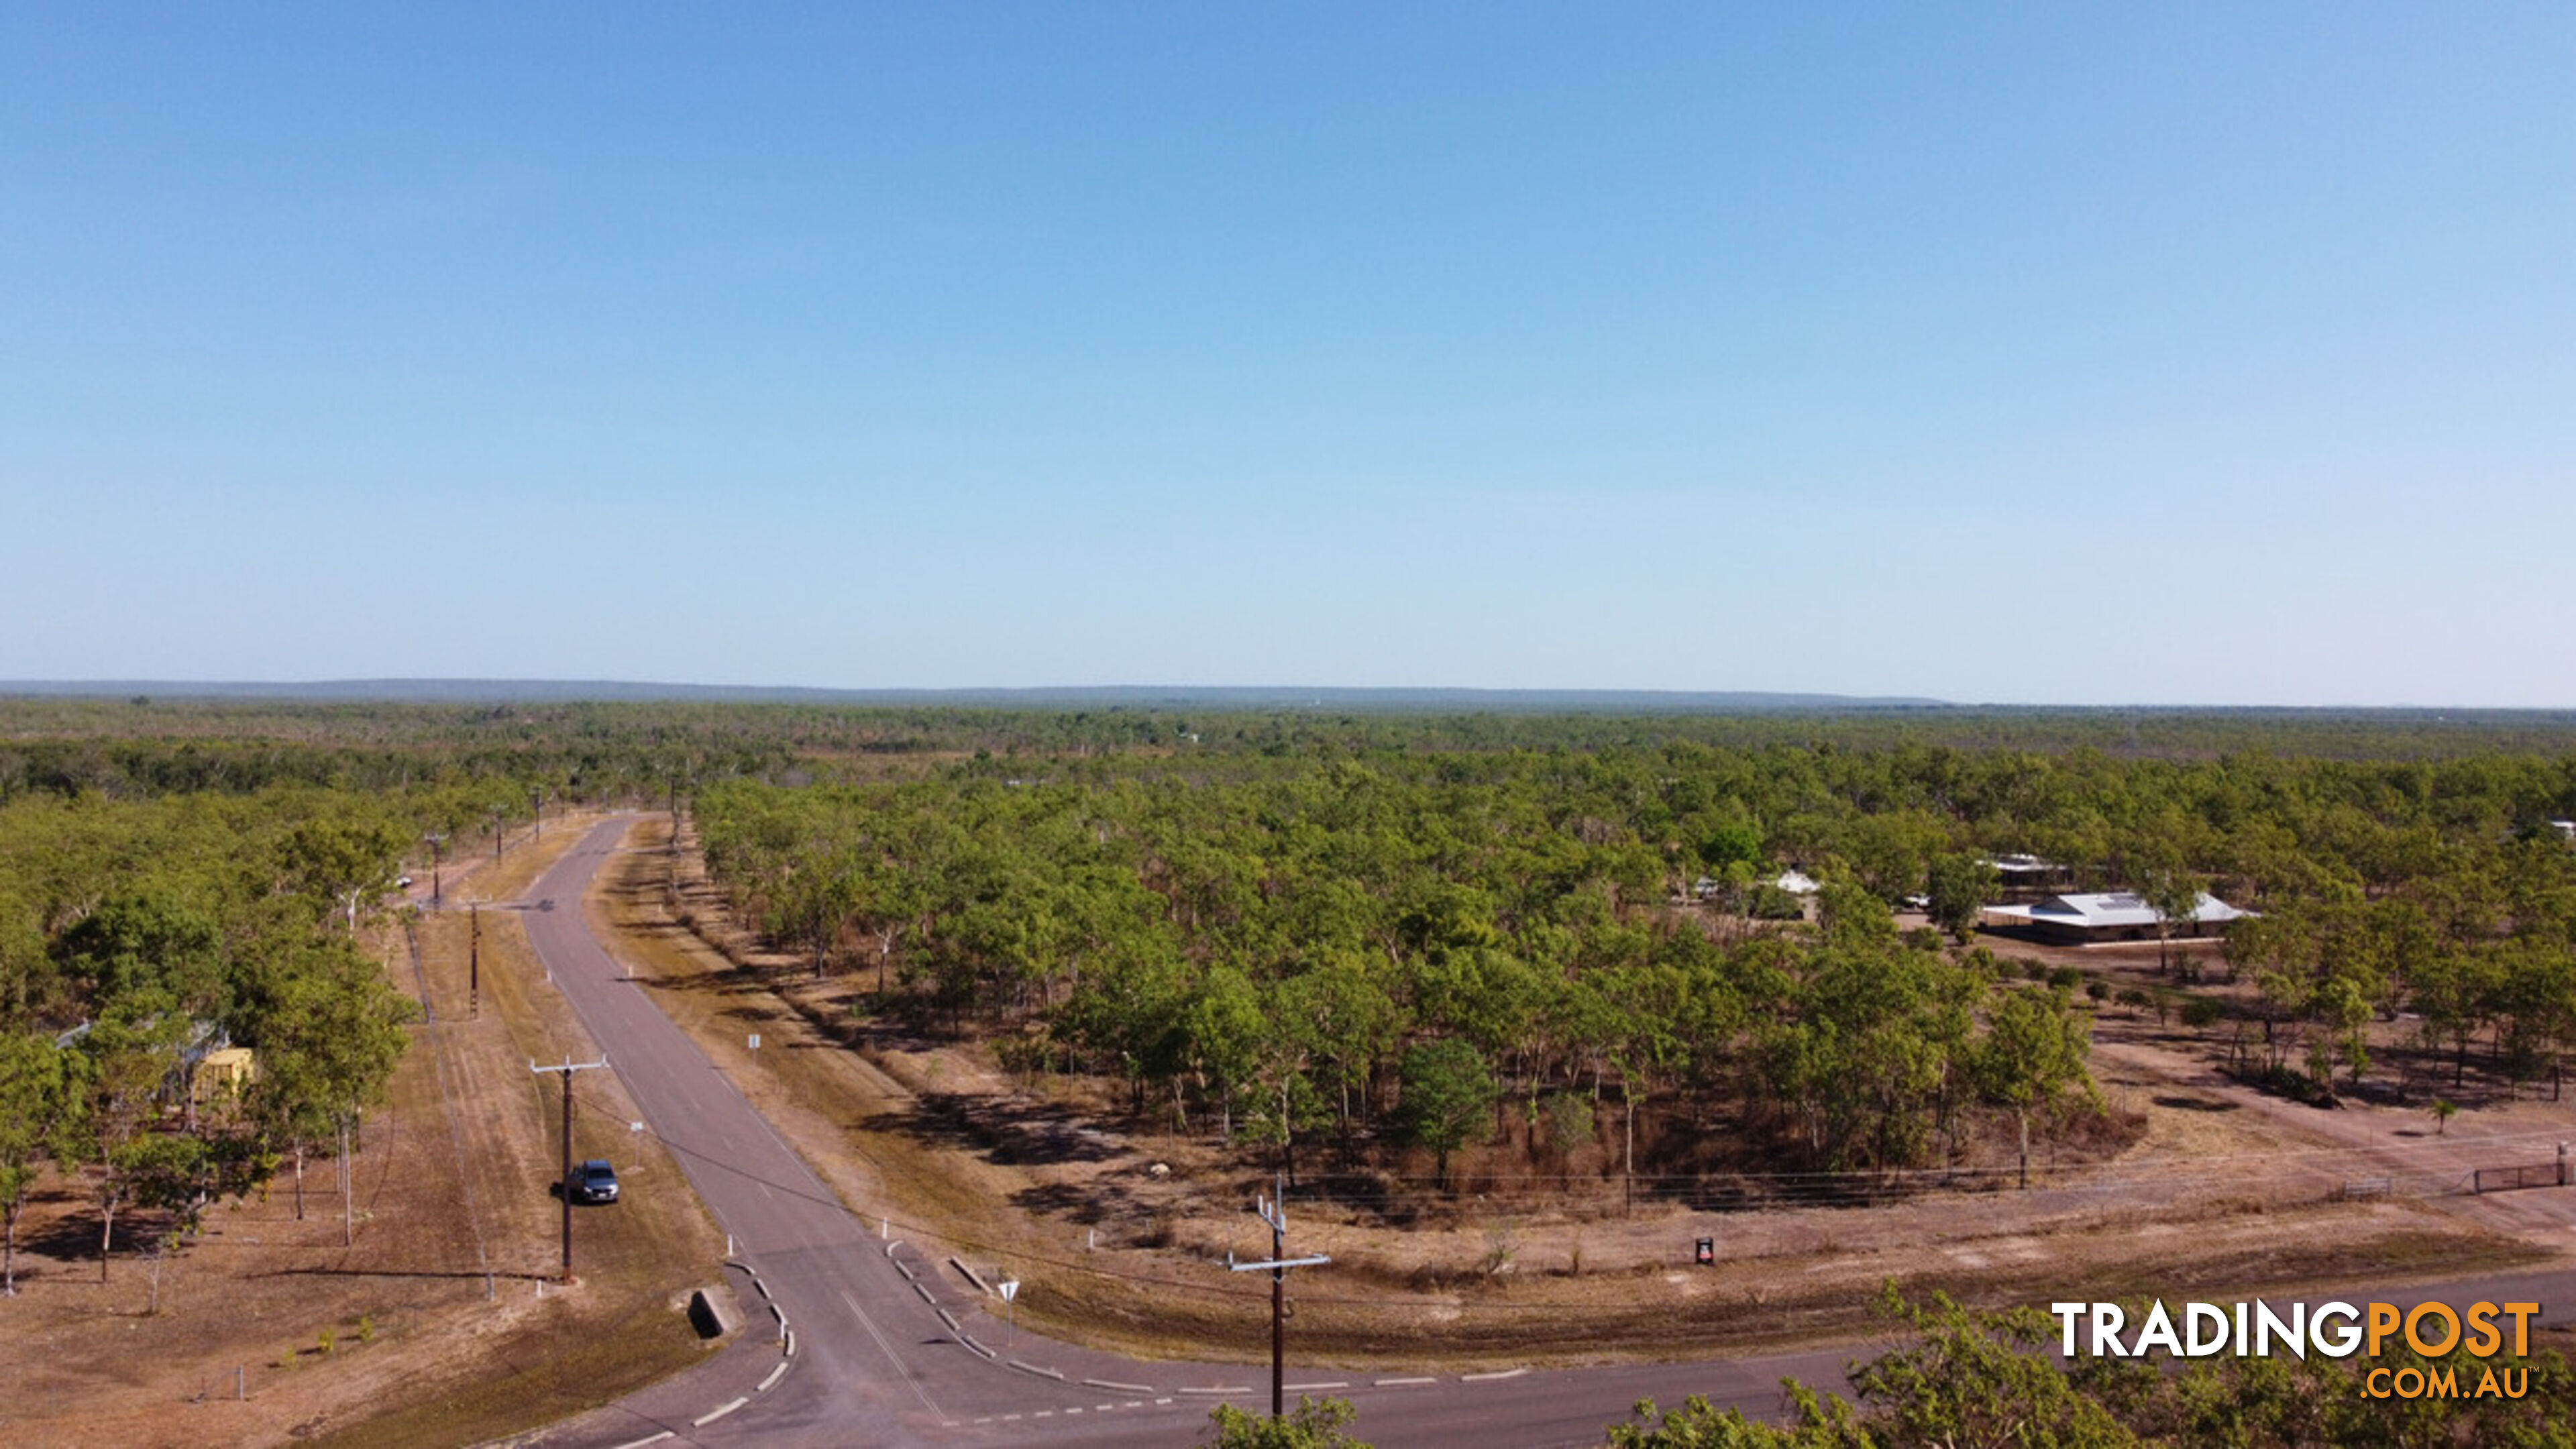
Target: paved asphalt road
[[866, 1341]]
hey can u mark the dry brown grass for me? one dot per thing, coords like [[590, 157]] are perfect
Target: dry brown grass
[[1021, 1173], [419, 1354]]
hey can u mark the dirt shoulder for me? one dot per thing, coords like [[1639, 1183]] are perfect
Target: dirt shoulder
[[436, 1322], [1118, 1238]]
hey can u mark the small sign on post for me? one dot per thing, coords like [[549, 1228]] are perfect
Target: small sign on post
[[1706, 1256], [755, 1041]]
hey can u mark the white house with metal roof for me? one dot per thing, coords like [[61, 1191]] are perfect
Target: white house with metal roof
[[2077, 918]]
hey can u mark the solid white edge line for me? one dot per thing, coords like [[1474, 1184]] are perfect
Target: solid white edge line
[[1509, 1373], [718, 1412], [770, 1382], [1235, 1389], [1122, 1388], [1403, 1383], [1303, 1388]]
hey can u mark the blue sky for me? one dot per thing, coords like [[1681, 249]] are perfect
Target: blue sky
[[2204, 353]]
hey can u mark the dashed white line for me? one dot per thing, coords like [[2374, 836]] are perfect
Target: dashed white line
[[1233, 1389], [1487, 1378], [771, 1381], [1122, 1388], [1308, 1388], [1402, 1383], [718, 1412]]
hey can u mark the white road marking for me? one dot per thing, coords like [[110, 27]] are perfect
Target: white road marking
[[640, 1443], [1509, 1373], [894, 1358], [718, 1412], [771, 1381], [1400, 1383], [1302, 1388]]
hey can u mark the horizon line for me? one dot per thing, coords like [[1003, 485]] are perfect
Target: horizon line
[[497, 690]]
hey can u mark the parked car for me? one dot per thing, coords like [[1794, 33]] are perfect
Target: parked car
[[594, 1181]]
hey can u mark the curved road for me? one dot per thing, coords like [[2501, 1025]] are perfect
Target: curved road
[[863, 1340]]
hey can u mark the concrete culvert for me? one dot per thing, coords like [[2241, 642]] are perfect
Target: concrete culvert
[[713, 1313]]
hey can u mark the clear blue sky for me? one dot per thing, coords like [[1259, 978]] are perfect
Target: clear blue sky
[[2048, 353]]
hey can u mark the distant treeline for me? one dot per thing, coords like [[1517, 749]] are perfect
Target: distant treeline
[[145, 747]]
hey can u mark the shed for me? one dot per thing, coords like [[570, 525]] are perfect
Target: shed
[[226, 1072]]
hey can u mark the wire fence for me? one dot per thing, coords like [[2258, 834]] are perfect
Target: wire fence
[[2513, 1179]]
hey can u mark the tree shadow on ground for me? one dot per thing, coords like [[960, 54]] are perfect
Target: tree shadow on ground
[[1011, 1133]]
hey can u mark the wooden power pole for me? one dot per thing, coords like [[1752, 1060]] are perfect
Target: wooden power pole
[[1275, 1213], [563, 1184]]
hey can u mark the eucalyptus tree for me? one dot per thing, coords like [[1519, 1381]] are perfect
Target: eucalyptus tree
[[43, 1099]]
